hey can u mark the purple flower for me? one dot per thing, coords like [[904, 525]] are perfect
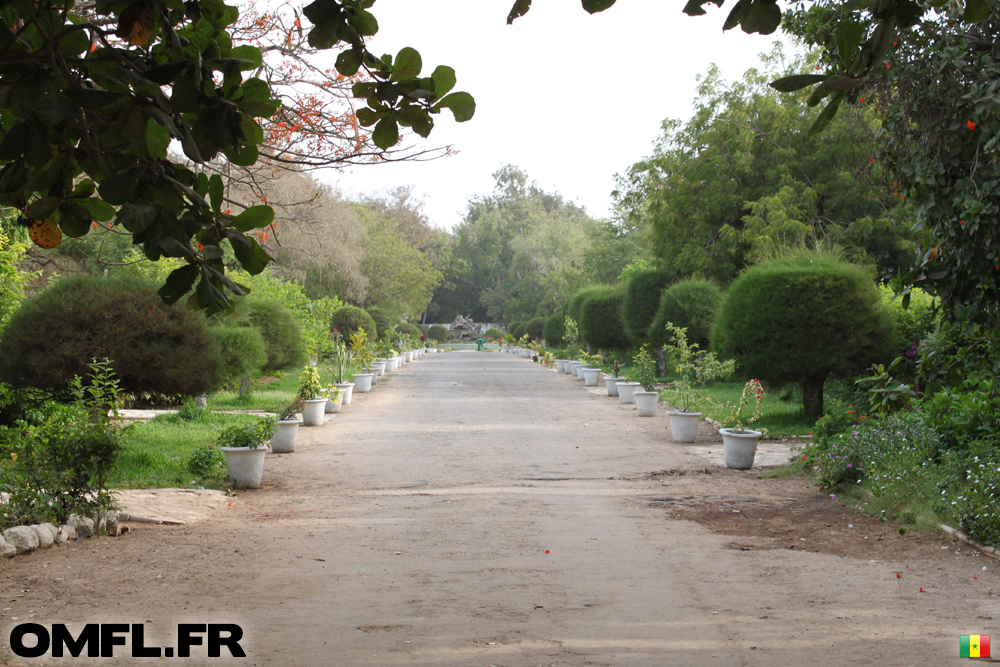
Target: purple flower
[[833, 496]]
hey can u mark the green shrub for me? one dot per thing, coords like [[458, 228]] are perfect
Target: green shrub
[[642, 302], [493, 334], [207, 462], [978, 504], [154, 347], [254, 434], [555, 330], [410, 329], [535, 327], [602, 326], [243, 352], [690, 304], [914, 323], [384, 321], [514, 325], [519, 330], [279, 329], [349, 319], [574, 307], [439, 333], [801, 318]]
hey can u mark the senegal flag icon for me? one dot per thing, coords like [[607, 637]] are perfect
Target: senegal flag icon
[[974, 646]]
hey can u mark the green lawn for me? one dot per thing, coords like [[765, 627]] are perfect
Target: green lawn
[[782, 414]]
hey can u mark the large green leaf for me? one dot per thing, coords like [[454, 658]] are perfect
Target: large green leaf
[[74, 219], [763, 18], [519, 9], [254, 217], [444, 80], [849, 34], [827, 114], [976, 11], [118, 189], [386, 133], [248, 253], [694, 7], [100, 210], [215, 189], [594, 6], [178, 283], [461, 104], [157, 139], [324, 35], [43, 208], [136, 218], [348, 63], [407, 64]]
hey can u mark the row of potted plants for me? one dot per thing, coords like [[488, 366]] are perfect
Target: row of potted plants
[[245, 446], [686, 393]]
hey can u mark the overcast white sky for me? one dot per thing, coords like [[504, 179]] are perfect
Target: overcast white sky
[[569, 97]]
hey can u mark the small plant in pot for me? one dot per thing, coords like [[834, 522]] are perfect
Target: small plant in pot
[[687, 392], [645, 374], [740, 442], [312, 397], [361, 349], [286, 430], [611, 381], [341, 357], [244, 446]]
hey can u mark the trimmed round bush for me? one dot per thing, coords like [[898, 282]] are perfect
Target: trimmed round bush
[[555, 329], [383, 321], [574, 307], [243, 352], [493, 334], [519, 330], [601, 320], [410, 329], [439, 333], [349, 319], [514, 325], [279, 329], [803, 318], [153, 347], [641, 303], [534, 328], [690, 304]]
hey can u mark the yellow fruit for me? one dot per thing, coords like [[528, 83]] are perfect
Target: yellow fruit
[[45, 233]]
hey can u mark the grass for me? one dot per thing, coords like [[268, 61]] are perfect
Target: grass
[[272, 395], [782, 414]]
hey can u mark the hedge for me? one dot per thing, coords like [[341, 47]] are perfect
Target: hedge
[[493, 334], [383, 321], [641, 303], [519, 330], [439, 333], [601, 319], [153, 347], [243, 352], [535, 327], [410, 329], [555, 329], [802, 318], [691, 304], [279, 329], [575, 304], [349, 319]]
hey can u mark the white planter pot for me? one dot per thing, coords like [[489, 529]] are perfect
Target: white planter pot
[[314, 412], [646, 402], [740, 447], [568, 367], [333, 404], [560, 365], [363, 382], [684, 425], [591, 376], [283, 441], [407, 357], [626, 392], [347, 389], [578, 371], [378, 368], [246, 466], [612, 384]]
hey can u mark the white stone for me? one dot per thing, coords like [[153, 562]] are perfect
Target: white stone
[[22, 538], [44, 537], [75, 520], [66, 534], [7, 549]]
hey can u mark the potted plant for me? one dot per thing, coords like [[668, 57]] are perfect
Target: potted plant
[[611, 381], [361, 349], [740, 442], [286, 429], [687, 391], [341, 357], [311, 395], [333, 397], [244, 448], [645, 374]]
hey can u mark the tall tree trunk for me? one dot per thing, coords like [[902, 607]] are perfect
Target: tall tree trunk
[[661, 361], [244, 386], [812, 396]]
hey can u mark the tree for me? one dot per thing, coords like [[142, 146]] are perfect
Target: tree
[[739, 181], [87, 115], [601, 321], [642, 300], [802, 318]]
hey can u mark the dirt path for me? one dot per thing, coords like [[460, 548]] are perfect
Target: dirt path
[[481, 510]]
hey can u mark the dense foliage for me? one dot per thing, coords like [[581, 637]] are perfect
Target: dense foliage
[[690, 304], [278, 328], [384, 321], [438, 333], [154, 347], [601, 320], [242, 351], [802, 318], [535, 327], [641, 302], [349, 319], [555, 329]]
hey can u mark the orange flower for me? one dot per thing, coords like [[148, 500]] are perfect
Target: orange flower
[[972, 126], [862, 417]]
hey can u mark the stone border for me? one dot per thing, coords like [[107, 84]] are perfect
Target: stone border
[[24, 539]]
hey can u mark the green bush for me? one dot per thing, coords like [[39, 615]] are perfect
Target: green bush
[[914, 323], [409, 329], [154, 347], [439, 333], [602, 325], [574, 307], [384, 321], [243, 352], [978, 504], [493, 334], [802, 318], [279, 329], [555, 329], [535, 327], [519, 330], [690, 304], [642, 302], [349, 319], [514, 325]]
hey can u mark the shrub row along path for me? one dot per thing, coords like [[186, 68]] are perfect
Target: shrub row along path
[[477, 509]]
